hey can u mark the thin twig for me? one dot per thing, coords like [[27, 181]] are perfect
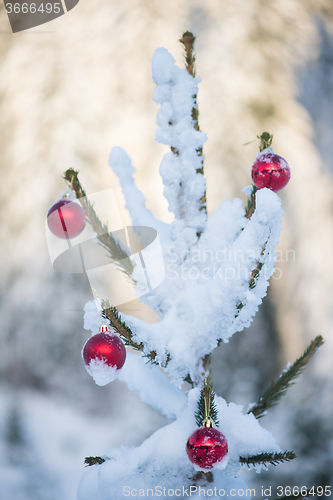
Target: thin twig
[[201, 476], [188, 40]]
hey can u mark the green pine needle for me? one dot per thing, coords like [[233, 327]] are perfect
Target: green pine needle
[[89, 461], [200, 413], [268, 458], [273, 394], [112, 314], [214, 414]]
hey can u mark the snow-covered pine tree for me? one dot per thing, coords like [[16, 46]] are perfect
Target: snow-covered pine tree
[[217, 272]]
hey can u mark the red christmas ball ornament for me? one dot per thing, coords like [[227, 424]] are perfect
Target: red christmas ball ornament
[[104, 355], [66, 219], [207, 448], [270, 171]]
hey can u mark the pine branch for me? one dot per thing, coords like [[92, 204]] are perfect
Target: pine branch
[[112, 314], [279, 387], [207, 410], [89, 461], [252, 282], [251, 204], [125, 333], [256, 272], [188, 40], [265, 458], [239, 307], [265, 142], [116, 252], [189, 380]]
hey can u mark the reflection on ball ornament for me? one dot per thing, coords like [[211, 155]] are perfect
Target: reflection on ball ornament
[[270, 171], [66, 219], [207, 448]]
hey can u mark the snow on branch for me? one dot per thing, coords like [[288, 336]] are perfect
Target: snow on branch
[[184, 184], [161, 459], [152, 386], [188, 40], [197, 301], [121, 164]]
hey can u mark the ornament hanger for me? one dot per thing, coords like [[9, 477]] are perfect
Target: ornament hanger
[[103, 327]]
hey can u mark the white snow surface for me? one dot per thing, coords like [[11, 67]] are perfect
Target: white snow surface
[[101, 372], [152, 386], [92, 316], [247, 190], [183, 186], [161, 460], [120, 162]]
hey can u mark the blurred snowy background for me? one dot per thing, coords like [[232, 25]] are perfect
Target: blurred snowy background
[[72, 89]]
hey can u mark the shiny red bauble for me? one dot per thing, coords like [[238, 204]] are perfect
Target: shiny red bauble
[[105, 347], [270, 171], [66, 219], [207, 447]]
